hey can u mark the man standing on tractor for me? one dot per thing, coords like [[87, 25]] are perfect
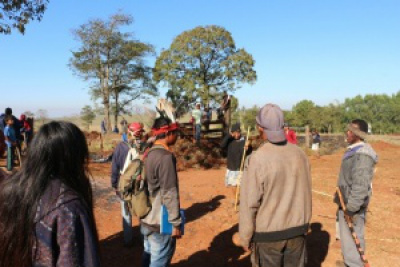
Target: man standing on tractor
[[275, 197], [354, 183], [226, 108], [135, 131], [197, 116]]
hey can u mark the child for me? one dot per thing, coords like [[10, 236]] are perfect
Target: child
[[235, 145], [11, 140]]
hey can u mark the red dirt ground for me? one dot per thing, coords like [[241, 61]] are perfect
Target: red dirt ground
[[212, 221]]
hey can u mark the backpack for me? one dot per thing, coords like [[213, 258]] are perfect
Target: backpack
[[132, 184]]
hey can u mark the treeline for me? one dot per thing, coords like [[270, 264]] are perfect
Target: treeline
[[381, 111]]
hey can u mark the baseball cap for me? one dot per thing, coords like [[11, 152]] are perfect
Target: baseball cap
[[136, 128], [270, 118]]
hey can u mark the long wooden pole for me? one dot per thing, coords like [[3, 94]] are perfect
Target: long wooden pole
[[353, 233], [241, 169]]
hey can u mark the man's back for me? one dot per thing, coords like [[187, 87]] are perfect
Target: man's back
[[276, 190]]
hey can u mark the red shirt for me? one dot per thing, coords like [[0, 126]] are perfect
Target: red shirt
[[291, 136]]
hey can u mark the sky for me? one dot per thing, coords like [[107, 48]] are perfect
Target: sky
[[324, 51]]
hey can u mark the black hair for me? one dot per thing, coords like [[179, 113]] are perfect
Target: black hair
[[8, 111], [161, 122], [58, 151], [362, 125]]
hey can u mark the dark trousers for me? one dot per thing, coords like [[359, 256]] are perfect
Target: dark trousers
[[284, 253], [10, 157]]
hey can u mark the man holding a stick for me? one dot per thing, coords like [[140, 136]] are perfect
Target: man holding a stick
[[354, 186], [275, 197], [237, 148]]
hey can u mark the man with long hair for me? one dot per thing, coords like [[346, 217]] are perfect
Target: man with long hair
[[46, 208], [162, 179]]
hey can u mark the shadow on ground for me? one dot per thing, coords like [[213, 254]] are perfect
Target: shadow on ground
[[317, 245], [198, 210], [114, 254], [222, 252]]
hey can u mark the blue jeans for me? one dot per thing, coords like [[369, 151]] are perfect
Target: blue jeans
[[126, 223], [158, 248], [198, 132], [10, 157]]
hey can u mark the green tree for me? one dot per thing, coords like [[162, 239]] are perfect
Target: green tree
[[87, 116], [113, 62], [304, 112], [201, 63], [18, 13], [246, 117]]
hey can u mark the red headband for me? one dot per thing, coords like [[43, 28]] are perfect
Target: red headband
[[165, 129]]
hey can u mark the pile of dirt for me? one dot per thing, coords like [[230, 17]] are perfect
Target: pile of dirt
[[205, 155]]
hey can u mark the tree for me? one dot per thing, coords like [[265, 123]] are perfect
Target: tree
[[113, 62], [87, 115], [303, 112], [131, 79], [18, 13], [201, 63], [246, 117]]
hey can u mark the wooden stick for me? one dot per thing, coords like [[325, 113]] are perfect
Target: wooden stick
[[241, 169], [352, 231]]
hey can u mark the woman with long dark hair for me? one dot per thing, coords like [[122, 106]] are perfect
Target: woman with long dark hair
[[46, 208]]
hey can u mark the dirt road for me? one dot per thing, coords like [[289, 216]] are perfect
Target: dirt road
[[212, 222]]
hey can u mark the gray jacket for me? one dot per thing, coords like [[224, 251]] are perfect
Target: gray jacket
[[355, 177], [161, 175], [275, 195]]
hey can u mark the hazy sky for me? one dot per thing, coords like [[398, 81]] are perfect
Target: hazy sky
[[324, 51]]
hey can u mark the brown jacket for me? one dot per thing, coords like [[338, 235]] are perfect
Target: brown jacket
[[275, 195]]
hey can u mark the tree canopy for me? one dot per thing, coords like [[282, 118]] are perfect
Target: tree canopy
[[17, 13], [381, 111], [201, 63], [113, 62]]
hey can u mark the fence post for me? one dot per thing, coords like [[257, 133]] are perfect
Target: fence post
[[307, 137]]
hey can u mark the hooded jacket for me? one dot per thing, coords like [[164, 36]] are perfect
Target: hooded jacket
[[355, 177]]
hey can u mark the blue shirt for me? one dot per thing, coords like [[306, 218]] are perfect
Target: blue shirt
[[10, 134]]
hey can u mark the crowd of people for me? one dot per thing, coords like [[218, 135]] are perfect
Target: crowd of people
[[52, 223], [14, 132], [203, 117]]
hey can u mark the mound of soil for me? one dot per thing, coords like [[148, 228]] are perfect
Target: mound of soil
[[206, 155]]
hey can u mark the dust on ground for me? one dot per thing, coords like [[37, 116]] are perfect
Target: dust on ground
[[212, 221]]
